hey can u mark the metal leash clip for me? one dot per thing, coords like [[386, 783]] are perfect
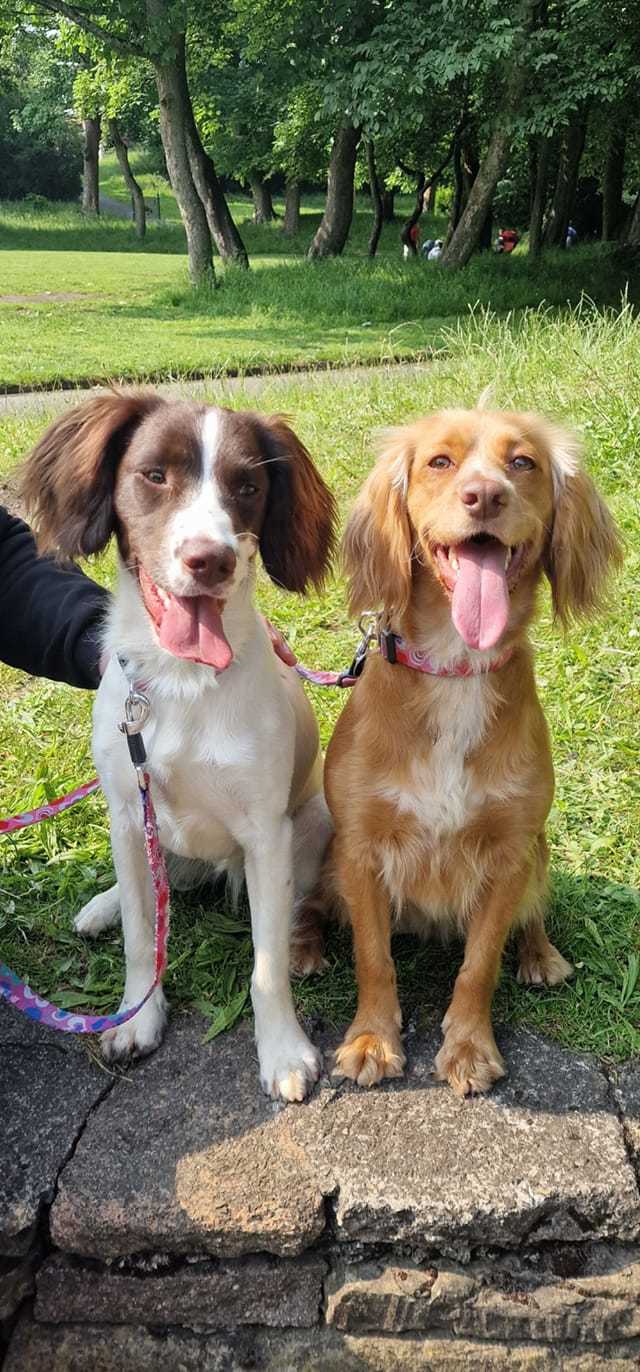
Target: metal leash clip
[[137, 709], [368, 626]]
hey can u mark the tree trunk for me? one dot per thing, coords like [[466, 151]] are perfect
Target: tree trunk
[[376, 198], [122, 154], [567, 179], [291, 223], [539, 199], [333, 230], [91, 165], [470, 166], [388, 207], [222, 227], [632, 234], [175, 112], [262, 202], [458, 193], [473, 220], [468, 234], [405, 232], [613, 182]]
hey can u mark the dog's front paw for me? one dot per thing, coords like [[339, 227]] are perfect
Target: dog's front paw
[[98, 914], [368, 1057], [289, 1065], [138, 1036], [542, 965], [469, 1059]]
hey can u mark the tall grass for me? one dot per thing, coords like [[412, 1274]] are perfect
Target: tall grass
[[388, 290]]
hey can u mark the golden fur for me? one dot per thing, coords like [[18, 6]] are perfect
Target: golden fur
[[439, 788]]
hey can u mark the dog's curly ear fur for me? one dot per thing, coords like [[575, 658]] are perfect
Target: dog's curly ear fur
[[298, 530], [378, 540], [68, 479], [584, 546]]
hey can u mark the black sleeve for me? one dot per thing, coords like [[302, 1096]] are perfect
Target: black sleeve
[[50, 614]]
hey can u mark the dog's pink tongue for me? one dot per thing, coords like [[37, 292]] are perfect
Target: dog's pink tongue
[[480, 606], [191, 627]]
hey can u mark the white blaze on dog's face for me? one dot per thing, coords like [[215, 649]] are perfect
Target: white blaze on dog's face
[[190, 496], [191, 493]]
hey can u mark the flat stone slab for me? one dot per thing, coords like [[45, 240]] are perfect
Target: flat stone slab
[[186, 1155], [16, 1031], [629, 1095], [541, 1157], [507, 1298], [47, 1093], [209, 1294], [92, 1348]]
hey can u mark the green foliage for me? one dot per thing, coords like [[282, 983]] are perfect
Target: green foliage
[[39, 144]]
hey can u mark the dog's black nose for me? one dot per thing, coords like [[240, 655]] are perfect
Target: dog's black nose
[[207, 561], [484, 499]]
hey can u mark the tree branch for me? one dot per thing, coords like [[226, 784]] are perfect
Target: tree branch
[[126, 48]]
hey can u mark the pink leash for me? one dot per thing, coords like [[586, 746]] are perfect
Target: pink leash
[[17, 992]]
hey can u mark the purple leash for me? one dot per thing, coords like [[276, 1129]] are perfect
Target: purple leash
[[15, 991]]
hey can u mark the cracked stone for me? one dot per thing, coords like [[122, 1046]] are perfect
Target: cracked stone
[[17, 1281], [189, 1155], [278, 1293], [92, 1348], [46, 1097], [186, 1155], [507, 1298], [629, 1095], [540, 1158]]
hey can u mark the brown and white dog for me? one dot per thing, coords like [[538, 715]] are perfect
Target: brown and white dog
[[439, 785], [191, 493]]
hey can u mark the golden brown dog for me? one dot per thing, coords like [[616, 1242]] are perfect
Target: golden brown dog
[[439, 783]]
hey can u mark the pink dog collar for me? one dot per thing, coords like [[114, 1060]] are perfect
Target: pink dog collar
[[395, 650]]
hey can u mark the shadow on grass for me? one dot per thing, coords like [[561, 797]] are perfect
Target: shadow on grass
[[594, 922]]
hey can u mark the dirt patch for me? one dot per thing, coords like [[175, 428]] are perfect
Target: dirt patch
[[44, 298]]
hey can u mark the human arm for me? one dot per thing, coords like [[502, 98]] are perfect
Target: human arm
[[50, 613]]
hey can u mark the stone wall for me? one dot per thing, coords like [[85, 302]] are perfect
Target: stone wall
[[171, 1217]]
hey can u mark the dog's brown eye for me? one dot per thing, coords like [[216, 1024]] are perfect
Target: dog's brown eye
[[522, 463], [440, 462], [156, 476], [246, 489]]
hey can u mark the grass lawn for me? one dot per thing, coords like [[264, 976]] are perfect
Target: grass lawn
[[118, 309], [582, 367]]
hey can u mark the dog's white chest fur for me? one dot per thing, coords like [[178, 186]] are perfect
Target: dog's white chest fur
[[220, 749], [440, 790]]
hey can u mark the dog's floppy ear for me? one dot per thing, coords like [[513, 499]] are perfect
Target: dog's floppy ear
[[378, 540], [584, 546], [68, 479], [298, 529]]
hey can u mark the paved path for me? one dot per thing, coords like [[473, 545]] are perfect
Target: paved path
[[171, 1216], [50, 402]]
